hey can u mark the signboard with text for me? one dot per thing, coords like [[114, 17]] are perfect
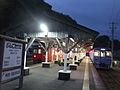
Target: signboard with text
[[11, 59], [12, 54], [7, 75]]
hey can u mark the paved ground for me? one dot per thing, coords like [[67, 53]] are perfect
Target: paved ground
[[47, 79]]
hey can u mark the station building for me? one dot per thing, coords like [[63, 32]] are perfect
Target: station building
[[22, 19]]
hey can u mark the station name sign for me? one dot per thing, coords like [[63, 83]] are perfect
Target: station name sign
[[12, 54], [13, 45]]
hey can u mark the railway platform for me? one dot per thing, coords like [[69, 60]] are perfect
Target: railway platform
[[86, 77]]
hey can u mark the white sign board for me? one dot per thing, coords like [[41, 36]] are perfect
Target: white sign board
[[12, 54], [10, 74]]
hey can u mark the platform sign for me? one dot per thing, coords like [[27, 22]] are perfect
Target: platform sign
[[12, 54], [11, 59], [7, 75]]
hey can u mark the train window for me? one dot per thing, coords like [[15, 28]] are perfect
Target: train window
[[102, 54], [97, 53], [30, 51], [39, 51], [108, 53], [35, 51]]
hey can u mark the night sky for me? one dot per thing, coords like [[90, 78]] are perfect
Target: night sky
[[94, 14]]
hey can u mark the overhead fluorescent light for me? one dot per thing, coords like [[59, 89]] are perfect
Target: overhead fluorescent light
[[63, 44], [72, 39]]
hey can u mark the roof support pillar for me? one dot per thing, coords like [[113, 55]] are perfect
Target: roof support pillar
[[27, 46]]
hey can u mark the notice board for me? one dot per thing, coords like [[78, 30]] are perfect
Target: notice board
[[11, 59]]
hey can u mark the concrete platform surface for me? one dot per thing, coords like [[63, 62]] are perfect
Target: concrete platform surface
[[47, 79]]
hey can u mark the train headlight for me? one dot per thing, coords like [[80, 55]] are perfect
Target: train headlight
[[35, 56]]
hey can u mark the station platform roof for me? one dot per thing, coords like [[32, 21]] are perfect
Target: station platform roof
[[20, 17]]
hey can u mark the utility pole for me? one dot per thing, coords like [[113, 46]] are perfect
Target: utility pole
[[112, 44]]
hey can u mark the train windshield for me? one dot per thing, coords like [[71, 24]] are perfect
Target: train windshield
[[35, 51], [102, 53], [96, 53], [108, 53], [39, 51]]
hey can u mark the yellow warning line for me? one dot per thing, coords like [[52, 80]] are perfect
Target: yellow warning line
[[86, 76]]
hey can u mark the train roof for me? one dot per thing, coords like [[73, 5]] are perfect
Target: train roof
[[102, 48]]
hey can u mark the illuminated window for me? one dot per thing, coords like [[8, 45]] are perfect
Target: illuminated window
[[39, 51], [76, 49], [108, 53], [97, 53], [35, 51], [63, 43], [102, 54]]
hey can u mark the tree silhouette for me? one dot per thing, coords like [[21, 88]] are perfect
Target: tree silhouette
[[102, 41], [116, 45]]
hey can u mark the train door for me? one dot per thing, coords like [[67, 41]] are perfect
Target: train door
[[96, 59], [108, 57], [40, 54], [102, 58], [35, 55]]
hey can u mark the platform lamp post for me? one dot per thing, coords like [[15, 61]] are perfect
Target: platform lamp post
[[44, 28]]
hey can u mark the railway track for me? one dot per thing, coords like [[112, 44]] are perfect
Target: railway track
[[110, 78]]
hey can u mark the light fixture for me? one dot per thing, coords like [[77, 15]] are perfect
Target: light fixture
[[72, 39], [63, 43], [76, 49], [44, 27], [103, 49]]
